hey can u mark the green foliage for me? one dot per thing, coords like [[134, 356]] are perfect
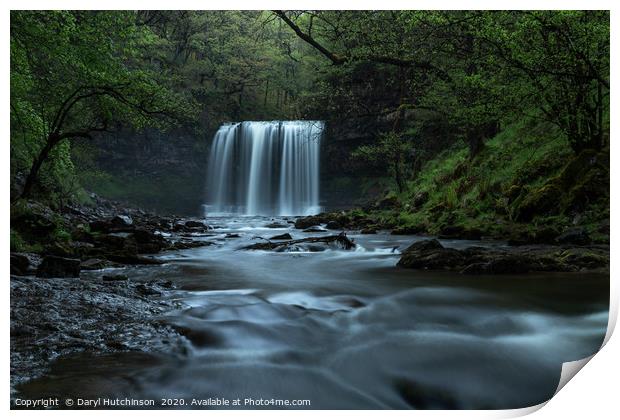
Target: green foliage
[[525, 175], [17, 244], [76, 73], [474, 68], [392, 150], [528, 84]]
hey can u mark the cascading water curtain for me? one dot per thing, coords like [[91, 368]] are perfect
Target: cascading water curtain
[[265, 168]]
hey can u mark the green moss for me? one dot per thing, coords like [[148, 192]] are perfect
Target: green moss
[[526, 174], [18, 244], [60, 234], [538, 201]]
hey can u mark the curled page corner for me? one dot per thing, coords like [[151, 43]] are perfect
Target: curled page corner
[[613, 312], [520, 412], [570, 369]]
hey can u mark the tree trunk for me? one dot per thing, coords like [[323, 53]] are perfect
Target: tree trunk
[[31, 179], [477, 135]]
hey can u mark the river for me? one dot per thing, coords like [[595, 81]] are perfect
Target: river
[[347, 329]]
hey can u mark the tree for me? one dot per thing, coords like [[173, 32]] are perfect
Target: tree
[[558, 62], [77, 73], [475, 67], [393, 151]]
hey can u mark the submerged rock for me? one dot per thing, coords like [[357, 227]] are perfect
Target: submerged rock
[[283, 237], [312, 244], [276, 225], [314, 229], [194, 224]]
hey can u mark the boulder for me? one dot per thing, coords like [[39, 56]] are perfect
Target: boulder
[[387, 203], [148, 242], [100, 226], [309, 221], [333, 225], [145, 290], [368, 231], [195, 224], [276, 225], [575, 237], [430, 255], [590, 258], [425, 245], [283, 237], [506, 264], [19, 264], [538, 202], [34, 219], [116, 242], [121, 221], [53, 266], [433, 259]]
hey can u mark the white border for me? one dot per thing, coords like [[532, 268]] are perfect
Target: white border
[[592, 394]]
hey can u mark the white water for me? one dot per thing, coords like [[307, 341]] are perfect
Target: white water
[[346, 330], [265, 168]]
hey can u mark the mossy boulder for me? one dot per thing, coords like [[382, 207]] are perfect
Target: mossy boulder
[[387, 203], [540, 201], [34, 220], [419, 199]]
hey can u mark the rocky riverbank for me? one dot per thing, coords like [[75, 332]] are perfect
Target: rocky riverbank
[[61, 243], [56, 317], [546, 250], [61, 304], [431, 255]]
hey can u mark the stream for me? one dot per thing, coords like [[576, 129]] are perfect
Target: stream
[[346, 330]]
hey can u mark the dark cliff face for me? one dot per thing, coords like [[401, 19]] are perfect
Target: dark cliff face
[[161, 171], [346, 182]]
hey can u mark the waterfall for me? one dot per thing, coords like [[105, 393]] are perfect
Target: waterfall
[[265, 168]]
